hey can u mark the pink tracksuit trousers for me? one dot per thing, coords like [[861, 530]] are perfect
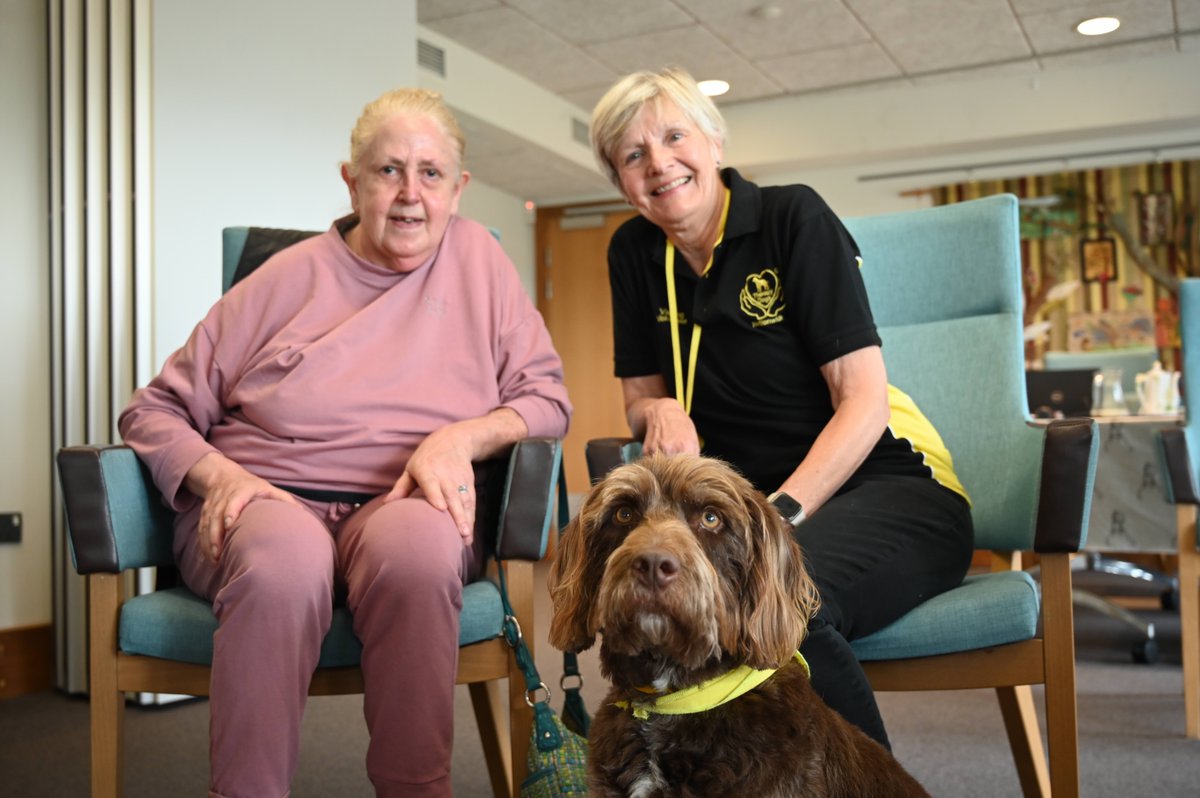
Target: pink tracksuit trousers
[[401, 565]]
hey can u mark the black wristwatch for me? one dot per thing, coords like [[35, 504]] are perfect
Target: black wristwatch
[[787, 507]]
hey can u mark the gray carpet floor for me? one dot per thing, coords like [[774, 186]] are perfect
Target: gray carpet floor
[[1130, 725]]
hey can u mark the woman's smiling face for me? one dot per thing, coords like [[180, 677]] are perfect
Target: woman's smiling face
[[404, 191], [667, 166]]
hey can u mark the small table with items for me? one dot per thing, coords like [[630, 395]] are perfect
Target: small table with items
[[1131, 513]]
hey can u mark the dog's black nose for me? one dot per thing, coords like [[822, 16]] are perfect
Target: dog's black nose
[[656, 569]]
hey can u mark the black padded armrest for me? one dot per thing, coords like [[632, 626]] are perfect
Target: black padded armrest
[[524, 524], [1068, 469], [605, 454], [262, 243], [1179, 467], [115, 516]]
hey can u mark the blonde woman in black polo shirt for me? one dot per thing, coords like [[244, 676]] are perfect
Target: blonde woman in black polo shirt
[[773, 363]]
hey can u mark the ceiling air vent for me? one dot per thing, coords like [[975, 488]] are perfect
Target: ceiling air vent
[[431, 57], [579, 132]]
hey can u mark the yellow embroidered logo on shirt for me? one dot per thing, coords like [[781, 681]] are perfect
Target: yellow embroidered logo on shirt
[[664, 316], [761, 297]]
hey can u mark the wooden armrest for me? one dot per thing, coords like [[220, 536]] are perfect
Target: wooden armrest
[[1068, 474], [115, 516]]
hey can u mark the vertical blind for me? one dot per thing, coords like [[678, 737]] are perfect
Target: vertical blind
[[100, 251]]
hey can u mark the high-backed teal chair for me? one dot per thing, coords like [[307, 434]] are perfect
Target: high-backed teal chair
[[1182, 450], [945, 288], [161, 641]]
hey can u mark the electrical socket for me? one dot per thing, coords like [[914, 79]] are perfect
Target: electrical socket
[[10, 527]]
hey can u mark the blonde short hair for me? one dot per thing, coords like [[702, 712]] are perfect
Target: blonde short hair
[[625, 100], [419, 102]]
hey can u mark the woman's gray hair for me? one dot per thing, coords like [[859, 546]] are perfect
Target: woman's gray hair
[[418, 102], [618, 107]]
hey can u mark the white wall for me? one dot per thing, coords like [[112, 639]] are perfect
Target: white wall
[[252, 109], [492, 207], [25, 469]]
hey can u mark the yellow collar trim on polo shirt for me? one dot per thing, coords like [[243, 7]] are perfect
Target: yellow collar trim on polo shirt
[[708, 695]]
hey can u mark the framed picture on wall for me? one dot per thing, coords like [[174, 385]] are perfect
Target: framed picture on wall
[[1156, 217], [1099, 259]]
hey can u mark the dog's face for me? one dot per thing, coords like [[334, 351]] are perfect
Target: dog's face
[[680, 558]]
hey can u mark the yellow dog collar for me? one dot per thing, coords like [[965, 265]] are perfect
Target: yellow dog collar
[[708, 695]]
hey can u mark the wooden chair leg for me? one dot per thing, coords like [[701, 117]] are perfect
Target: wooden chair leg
[[489, 734], [107, 702], [1189, 616], [520, 714], [1025, 739], [1062, 722]]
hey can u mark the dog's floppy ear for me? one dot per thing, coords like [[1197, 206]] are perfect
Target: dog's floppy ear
[[572, 588], [781, 598]]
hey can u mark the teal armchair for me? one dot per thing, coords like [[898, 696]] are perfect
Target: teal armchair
[[161, 641], [945, 288], [1181, 447]]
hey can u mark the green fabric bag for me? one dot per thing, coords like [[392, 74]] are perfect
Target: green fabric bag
[[557, 757]]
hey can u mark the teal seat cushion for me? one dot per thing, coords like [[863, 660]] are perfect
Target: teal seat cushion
[[985, 610], [176, 624]]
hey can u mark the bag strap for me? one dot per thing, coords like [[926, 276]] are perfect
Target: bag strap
[[574, 714], [546, 734]]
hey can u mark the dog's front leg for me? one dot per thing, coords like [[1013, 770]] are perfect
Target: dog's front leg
[[620, 762]]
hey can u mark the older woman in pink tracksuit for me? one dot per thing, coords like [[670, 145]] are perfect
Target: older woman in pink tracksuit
[[316, 435]]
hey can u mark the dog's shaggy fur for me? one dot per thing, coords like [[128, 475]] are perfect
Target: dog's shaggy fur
[[687, 572]]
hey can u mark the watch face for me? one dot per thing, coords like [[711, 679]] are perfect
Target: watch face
[[788, 507]]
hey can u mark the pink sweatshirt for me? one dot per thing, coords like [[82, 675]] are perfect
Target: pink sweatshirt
[[321, 370]]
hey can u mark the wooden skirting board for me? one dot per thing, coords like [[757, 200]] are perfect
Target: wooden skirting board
[[26, 660]]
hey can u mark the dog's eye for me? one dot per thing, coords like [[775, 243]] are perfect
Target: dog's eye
[[623, 516], [709, 519]]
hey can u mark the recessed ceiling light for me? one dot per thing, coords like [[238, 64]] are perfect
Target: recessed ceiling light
[[1098, 26], [713, 88]]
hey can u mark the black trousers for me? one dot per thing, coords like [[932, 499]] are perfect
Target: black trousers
[[875, 551]]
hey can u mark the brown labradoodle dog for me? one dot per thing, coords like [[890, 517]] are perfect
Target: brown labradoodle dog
[[702, 598]]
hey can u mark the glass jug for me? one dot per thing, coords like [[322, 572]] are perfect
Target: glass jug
[[1108, 395]]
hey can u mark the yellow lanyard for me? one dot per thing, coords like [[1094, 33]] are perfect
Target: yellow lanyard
[[672, 308]]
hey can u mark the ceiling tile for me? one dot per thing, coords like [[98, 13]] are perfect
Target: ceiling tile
[[801, 25], [586, 98], [579, 48], [428, 10], [1054, 31], [828, 68], [1037, 6], [511, 39], [586, 21], [695, 49], [1187, 15], [929, 35]]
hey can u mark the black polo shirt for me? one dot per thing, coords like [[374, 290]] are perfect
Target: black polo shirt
[[784, 296]]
